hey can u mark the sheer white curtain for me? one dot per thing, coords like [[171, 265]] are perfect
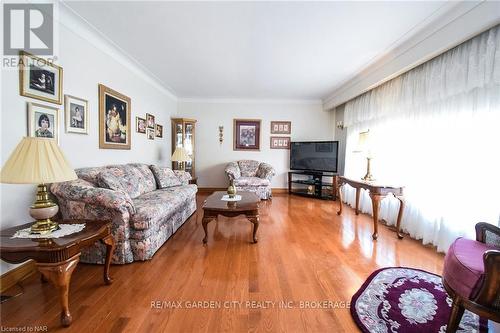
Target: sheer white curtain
[[436, 130]]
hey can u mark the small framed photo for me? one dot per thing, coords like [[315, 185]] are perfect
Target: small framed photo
[[150, 121], [43, 121], [246, 134], [281, 127], [140, 125], [151, 134], [280, 142], [40, 78], [159, 131], [76, 114]]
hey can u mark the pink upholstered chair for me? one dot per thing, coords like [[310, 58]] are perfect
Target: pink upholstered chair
[[471, 275]]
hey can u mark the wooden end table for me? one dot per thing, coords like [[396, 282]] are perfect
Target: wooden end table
[[377, 193], [248, 206], [56, 258]]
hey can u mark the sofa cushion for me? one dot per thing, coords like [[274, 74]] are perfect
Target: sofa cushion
[[133, 179], [463, 266], [153, 207], [251, 181], [164, 176], [248, 168]]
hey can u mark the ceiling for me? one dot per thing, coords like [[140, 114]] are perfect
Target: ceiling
[[255, 50]]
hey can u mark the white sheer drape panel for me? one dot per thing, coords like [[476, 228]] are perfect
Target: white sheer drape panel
[[436, 130]]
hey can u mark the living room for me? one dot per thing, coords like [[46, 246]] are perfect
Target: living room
[[163, 143]]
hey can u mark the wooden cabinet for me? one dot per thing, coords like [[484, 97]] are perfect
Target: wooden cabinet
[[183, 135]]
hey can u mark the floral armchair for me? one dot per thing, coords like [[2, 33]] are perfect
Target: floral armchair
[[253, 176]]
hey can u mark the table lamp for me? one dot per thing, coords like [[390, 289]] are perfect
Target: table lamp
[[38, 161], [365, 147], [180, 155]]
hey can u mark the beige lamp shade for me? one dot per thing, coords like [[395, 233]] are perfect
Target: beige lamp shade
[[364, 145], [36, 161], [180, 155]]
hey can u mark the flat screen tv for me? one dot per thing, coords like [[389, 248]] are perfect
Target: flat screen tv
[[314, 156]]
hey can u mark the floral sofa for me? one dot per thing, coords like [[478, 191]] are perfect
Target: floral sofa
[[249, 175], [146, 205]]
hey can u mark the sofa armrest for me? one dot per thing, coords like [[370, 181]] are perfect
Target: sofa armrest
[[183, 176], [232, 170], [489, 294], [83, 191], [265, 171], [488, 233]]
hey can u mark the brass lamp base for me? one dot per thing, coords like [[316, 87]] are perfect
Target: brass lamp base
[[42, 211], [368, 177], [44, 227]]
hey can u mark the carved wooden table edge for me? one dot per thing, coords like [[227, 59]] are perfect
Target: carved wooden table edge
[[377, 193], [56, 262]]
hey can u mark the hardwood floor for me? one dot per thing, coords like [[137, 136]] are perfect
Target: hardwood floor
[[305, 253]]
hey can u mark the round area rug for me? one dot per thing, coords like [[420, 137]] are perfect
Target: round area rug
[[399, 299]]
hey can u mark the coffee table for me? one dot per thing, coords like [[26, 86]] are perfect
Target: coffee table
[[248, 206]]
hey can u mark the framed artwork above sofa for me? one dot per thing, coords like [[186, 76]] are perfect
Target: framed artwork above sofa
[[114, 119]]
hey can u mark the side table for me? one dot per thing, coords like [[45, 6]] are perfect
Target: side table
[[377, 193], [56, 258]]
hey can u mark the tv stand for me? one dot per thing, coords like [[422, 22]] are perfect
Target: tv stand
[[314, 185]]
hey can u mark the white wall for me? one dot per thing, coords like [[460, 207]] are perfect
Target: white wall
[[87, 61], [309, 122]]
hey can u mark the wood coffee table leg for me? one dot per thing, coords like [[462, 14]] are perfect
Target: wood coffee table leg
[[59, 274], [205, 221], [110, 247], [255, 222]]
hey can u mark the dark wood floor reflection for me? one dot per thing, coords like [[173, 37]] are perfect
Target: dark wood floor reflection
[[306, 253]]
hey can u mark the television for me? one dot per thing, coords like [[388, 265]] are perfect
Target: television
[[318, 156]]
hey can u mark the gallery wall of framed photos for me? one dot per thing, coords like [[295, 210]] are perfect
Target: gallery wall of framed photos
[[68, 95]]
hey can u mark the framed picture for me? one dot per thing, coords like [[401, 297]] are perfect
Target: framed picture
[[159, 131], [150, 120], [114, 119], [140, 125], [76, 114], [246, 134], [281, 127], [43, 121], [39, 78], [151, 134], [280, 142]]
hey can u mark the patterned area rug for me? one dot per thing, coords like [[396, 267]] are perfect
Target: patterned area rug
[[399, 299]]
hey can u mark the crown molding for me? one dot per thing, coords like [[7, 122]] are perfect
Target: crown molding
[[451, 25], [228, 100], [71, 20]]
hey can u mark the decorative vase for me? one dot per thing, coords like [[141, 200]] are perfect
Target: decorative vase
[[231, 190]]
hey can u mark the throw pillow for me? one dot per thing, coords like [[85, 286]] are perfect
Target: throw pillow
[[165, 177]]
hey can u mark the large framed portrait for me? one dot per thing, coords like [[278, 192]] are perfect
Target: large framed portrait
[[40, 78], [246, 134], [43, 121], [114, 119], [76, 114]]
